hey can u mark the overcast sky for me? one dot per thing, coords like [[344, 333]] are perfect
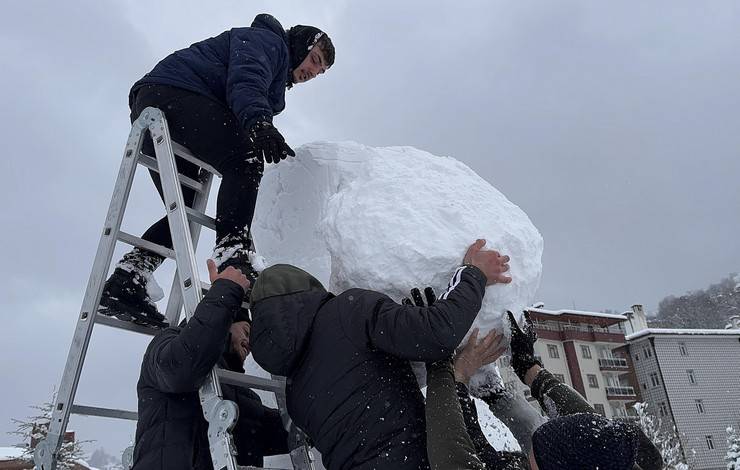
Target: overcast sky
[[614, 125]]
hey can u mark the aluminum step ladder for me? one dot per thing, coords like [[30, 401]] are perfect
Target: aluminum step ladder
[[187, 290]]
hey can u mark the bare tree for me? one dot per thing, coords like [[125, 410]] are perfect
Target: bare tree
[[34, 428], [666, 442]]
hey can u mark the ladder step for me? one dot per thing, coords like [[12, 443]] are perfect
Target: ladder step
[[125, 325], [201, 218], [104, 412], [141, 243], [186, 154], [249, 381], [151, 163]]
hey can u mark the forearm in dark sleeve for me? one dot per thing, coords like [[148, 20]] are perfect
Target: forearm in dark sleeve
[[556, 398], [429, 333], [179, 362], [472, 424]]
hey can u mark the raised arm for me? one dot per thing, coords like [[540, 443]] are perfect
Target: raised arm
[[432, 333], [256, 57], [178, 361]]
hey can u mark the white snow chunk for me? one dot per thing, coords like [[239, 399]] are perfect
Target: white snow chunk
[[389, 219]]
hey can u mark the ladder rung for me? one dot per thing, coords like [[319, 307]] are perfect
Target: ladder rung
[[249, 381], [141, 243], [125, 325], [104, 412], [201, 218], [185, 154], [151, 163]]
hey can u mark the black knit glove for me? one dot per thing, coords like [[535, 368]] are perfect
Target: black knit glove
[[418, 300], [269, 143], [522, 345]]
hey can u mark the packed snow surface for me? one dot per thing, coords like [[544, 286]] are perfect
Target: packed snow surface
[[389, 219]]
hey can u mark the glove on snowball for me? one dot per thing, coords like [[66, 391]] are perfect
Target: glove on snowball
[[269, 143]]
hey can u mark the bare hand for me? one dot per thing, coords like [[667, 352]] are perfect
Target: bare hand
[[230, 273], [491, 262], [476, 354]]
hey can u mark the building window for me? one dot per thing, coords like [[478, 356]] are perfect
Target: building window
[[585, 352], [600, 409], [552, 350], [560, 377], [692, 377], [644, 386], [663, 409], [710, 442], [592, 381], [637, 357], [682, 349], [647, 351], [654, 380], [699, 406]]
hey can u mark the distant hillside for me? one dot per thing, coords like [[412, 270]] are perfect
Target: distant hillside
[[708, 308]]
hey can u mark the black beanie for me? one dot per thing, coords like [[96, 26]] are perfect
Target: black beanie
[[585, 441], [300, 41]]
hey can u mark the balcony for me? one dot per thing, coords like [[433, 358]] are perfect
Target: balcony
[[621, 393], [578, 333], [613, 363]]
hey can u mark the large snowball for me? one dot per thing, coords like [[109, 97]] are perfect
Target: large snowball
[[390, 219]]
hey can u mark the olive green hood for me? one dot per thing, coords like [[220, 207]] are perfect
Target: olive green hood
[[285, 301]]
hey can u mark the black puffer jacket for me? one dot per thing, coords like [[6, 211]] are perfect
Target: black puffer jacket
[[350, 384], [171, 432]]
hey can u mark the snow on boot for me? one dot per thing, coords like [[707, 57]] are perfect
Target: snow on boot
[[234, 254], [126, 297]]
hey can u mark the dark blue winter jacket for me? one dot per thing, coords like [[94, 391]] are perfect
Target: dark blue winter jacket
[[246, 69]]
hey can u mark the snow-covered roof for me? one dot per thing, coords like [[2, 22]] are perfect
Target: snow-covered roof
[[11, 453], [680, 331], [580, 313]]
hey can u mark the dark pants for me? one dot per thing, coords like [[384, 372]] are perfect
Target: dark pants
[[213, 134]]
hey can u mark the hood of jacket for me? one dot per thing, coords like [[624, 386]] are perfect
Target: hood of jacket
[[268, 22], [285, 301]]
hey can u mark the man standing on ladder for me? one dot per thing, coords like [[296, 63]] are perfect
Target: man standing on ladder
[[219, 96]]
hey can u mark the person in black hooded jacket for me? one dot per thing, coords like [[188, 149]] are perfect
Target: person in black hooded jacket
[[171, 432], [350, 386], [219, 97]]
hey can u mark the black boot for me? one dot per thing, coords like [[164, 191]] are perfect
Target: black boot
[[125, 297], [236, 252]]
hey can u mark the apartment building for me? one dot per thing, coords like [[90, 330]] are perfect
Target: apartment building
[[690, 379], [586, 350]]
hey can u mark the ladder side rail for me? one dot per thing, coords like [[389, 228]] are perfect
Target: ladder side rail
[[300, 451], [221, 414], [45, 453], [175, 301]]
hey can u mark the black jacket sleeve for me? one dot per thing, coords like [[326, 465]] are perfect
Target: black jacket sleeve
[[178, 360], [426, 333]]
